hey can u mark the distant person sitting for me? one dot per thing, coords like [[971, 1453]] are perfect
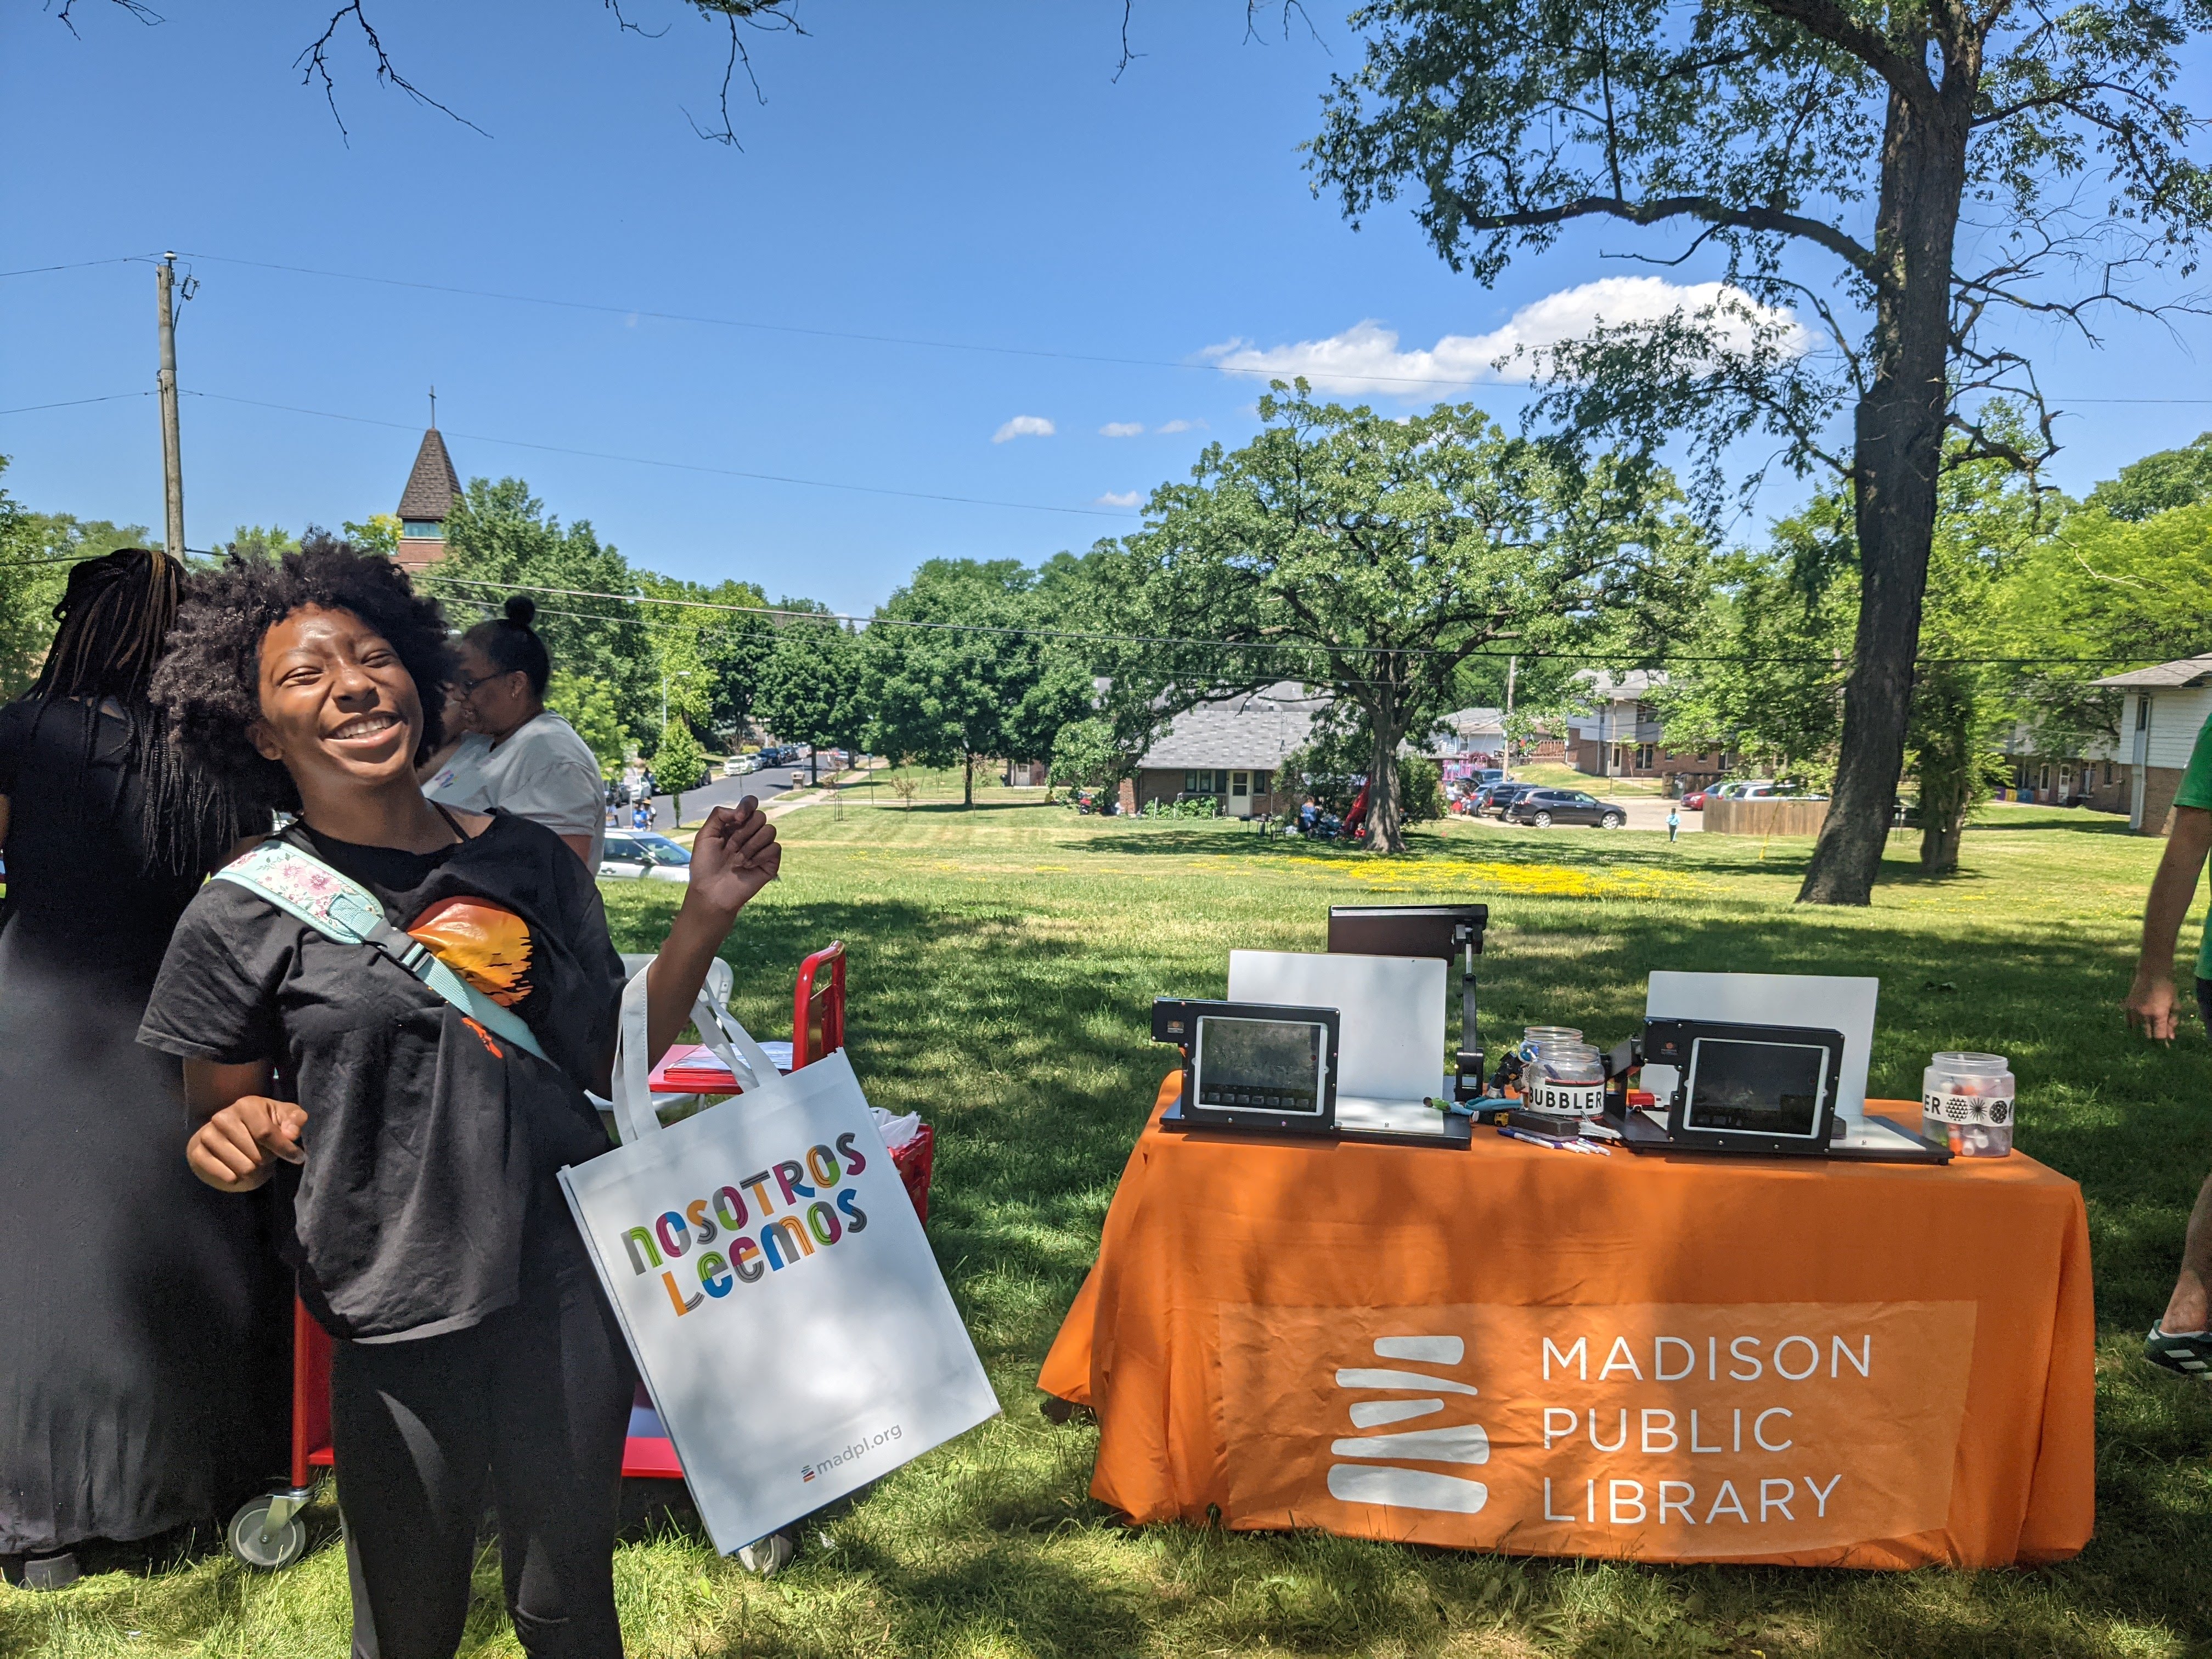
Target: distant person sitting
[[518, 756]]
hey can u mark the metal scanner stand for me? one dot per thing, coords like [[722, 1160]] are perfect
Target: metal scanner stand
[[1444, 931]]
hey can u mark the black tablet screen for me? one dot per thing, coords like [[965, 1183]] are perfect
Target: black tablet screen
[[1755, 1088], [1269, 1064]]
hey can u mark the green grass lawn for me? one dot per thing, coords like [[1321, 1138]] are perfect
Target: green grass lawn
[[1003, 962]]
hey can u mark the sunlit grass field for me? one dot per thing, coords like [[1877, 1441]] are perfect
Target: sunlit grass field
[[1002, 965]]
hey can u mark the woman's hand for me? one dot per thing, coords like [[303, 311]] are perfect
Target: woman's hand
[[237, 1149], [734, 855]]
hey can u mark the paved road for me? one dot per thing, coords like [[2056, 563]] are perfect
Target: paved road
[[727, 792]]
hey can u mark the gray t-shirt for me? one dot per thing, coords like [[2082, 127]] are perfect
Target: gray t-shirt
[[542, 771]]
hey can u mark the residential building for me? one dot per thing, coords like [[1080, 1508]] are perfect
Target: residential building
[[2089, 774], [2164, 709], [426, 503], [1621, 737], [1469, 740], [1231, 750]]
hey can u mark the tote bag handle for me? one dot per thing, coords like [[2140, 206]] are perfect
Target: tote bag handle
[[719, 1029]]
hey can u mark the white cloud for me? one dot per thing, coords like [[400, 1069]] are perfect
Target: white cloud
[[1024, 426], [1120, 498], [1365, 361], [1181, 426], [1121, 429]]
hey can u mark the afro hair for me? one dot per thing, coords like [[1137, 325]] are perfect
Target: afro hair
[[209, 684]]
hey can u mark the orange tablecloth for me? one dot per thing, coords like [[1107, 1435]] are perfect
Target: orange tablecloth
[[1667, 1359]]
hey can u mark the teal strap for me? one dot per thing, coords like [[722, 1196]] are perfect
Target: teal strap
[[304, 887]]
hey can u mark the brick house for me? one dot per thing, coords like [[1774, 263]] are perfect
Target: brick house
[[1231, 750], [1620, 737], [2163, 711]]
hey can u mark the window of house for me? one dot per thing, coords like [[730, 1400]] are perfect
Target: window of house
[[2108, 771], [1239, 782], [1202, 783], [2043, 781], [1259, 782], [427, 528], [1644, 752]]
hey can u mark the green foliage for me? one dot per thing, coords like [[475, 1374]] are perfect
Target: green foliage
[[2158, 482], [1420, 788], [957, 695], [713, 659], [266, 543], [379, 533], [810, 688], [679, 763], [1372, 556], [1084, 756], [37, 550], [1198, 806], [590, 708], [501, 535]]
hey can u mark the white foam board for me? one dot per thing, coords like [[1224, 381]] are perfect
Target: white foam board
[[1390, 1009], [1824, 1001]]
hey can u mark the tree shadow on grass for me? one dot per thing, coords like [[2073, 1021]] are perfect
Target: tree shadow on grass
[[1028, 1050]]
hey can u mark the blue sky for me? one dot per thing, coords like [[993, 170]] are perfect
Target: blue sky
[[970, 174]]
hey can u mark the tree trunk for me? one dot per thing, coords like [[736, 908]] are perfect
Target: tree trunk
[[968, 781], [1898, 449], [1939, 843], [1386, 816]]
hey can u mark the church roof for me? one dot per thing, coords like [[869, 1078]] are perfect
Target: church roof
[[433, 485]]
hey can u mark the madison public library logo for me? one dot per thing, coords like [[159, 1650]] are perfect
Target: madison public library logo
[[1659, 1430], [1395, 1395]]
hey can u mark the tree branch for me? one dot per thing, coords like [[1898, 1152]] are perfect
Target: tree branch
[[1826, 21], [317, 62], [1770, 221]]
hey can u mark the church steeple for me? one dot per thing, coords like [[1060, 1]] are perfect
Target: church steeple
[[428, 501]]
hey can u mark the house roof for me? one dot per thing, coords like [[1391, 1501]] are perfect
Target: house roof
[[1254, 729], [1611, 688], [2190, 671], [433, 485]]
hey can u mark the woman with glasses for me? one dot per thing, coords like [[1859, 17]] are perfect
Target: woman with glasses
[[516, 754]]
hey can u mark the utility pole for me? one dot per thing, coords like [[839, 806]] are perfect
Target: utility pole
[[1511, 665], [173, 463]]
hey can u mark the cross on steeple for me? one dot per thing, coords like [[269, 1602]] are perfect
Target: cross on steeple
[[434, 408]]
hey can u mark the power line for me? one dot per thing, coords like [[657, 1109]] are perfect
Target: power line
[[922, 341], [80, 264], [679, 466], [73, 402]]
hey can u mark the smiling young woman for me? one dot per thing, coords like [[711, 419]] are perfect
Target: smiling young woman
[[418, 1150]]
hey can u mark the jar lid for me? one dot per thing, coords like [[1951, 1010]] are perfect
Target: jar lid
[[1966, 1060]]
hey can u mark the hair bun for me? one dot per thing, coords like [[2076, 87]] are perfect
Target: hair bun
[[521, 608]]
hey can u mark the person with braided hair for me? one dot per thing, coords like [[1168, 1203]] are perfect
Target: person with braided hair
[[141, 1315]]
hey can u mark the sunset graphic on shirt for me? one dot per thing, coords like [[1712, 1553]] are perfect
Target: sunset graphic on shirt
[[486, 945]]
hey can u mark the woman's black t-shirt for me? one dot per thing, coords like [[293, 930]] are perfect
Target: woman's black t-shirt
[[432, 1144]]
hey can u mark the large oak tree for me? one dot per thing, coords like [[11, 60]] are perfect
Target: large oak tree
[[1949, 162], [1374, 557]]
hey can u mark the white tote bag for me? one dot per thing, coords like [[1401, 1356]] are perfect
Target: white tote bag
[[775, 1285]]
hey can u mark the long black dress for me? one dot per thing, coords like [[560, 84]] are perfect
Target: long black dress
[[142, 1335]]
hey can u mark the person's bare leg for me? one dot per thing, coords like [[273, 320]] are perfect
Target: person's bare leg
[[2186, 1312]]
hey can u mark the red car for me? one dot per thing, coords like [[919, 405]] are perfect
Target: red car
[[1695, 800]]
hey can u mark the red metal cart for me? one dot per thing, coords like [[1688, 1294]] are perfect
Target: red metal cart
[[268, 1533]]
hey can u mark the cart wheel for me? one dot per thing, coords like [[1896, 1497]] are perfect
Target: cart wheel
[[768, 1556], [256, 1543]]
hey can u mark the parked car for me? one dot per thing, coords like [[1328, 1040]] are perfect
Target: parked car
[[644, 856], [1502, 796], [738, 765], [1546, 807]]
